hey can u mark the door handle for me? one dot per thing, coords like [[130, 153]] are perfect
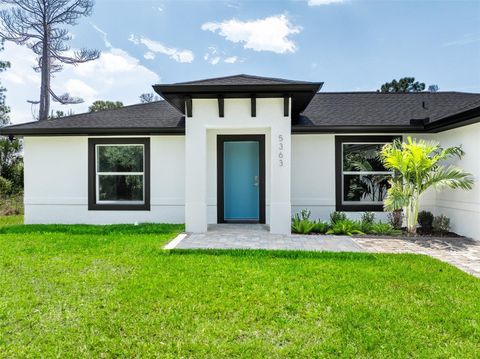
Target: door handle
[[255, 181]]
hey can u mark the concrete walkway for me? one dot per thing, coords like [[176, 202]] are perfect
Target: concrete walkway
[[463, 253], [257, 236]]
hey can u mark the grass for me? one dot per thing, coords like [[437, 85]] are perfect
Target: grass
[[87, 291], [10, 220]]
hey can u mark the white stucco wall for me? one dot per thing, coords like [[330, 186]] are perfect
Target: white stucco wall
[[463, 207], [200, 160], [313, 174], [56, 182]]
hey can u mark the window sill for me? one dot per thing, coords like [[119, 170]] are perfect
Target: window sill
[[359, 208], [119, 207]]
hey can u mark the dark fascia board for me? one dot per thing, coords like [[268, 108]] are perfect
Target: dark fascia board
[[92, 131], [457, 120], [356, 129], [236, 89], [175, 94]]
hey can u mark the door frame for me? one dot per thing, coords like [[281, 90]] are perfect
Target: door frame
[[221, 139]]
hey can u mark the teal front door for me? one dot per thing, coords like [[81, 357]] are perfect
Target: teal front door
[[242, 179]]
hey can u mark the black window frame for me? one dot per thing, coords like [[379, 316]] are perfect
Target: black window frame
[[339, 141], [92, 174]]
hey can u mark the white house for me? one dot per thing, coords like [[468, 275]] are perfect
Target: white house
[[239, 149]]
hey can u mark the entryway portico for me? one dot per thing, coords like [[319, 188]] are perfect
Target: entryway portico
[[260, 110]]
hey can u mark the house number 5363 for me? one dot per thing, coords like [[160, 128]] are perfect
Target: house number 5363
[[280, 150]]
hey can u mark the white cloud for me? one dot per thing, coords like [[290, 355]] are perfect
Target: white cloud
[[231, 59], [115, 76], [466, 39], [324, 2], [157, 47], [214, 56], [268, 34], [149, 55], [215, 60]]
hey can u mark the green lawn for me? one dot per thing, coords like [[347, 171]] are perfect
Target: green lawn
[[111, 291]]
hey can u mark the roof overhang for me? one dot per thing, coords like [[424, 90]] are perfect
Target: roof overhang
[[91, 131], [301, 94]]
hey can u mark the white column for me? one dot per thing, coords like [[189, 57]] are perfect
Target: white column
[[196, 176], [280, 173]]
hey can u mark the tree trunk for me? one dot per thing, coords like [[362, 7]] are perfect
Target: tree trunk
[[45, 80], [411, 213]]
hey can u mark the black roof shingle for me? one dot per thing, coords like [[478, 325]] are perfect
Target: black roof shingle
[[326, 112]]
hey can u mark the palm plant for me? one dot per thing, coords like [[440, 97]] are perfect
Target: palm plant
[[417, 167]]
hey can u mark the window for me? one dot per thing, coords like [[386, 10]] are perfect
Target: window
[[119, 174], [361, 178]]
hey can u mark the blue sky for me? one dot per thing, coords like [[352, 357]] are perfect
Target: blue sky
[[351, 45]]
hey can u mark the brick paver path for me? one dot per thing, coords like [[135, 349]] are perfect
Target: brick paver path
[[257, 236], [463, 253]]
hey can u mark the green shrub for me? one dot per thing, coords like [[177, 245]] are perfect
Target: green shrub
[[346, 227], [301, 223], [368, 217], [5, 187], [337, 216], [11, 205], [441, 224], [382, 228], [320, 227], [367, 220], [396, 218], [425, 220]]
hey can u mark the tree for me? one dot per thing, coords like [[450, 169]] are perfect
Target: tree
[[4, 109], [406, 84], [433, 88], [149, 97], [11, 162], [417, 167], [104, 105], [39, 26], [59, 113]]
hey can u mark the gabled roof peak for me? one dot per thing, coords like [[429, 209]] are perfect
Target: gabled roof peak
[[242, 79]]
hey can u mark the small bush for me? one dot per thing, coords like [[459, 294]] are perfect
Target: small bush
[[337, 216], [11, 205], [396, 218], [301, 223], [425, 220], [368, 217], [382, 228], [367, 220], [320, 227], [346, 227], [441, 224], [5, 186]]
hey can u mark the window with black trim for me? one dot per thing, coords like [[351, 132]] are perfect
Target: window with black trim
[[361, 178], [119, 173]]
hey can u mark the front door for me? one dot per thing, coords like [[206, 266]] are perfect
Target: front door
[[241, 178]]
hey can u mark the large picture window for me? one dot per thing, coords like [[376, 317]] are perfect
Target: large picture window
[[119, 173], [361, 178]]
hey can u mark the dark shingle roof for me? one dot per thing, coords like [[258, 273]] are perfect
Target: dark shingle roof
[[242, 79], [148, 117], [384, 109], [326, 111]]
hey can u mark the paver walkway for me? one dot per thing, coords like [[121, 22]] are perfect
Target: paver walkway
[[257, 236], [463, 253]]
